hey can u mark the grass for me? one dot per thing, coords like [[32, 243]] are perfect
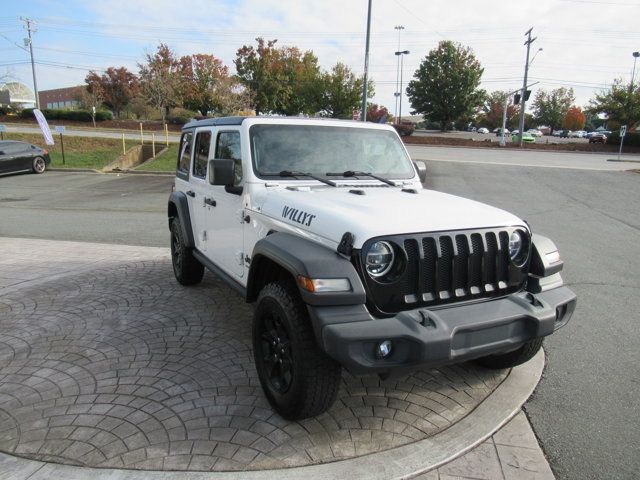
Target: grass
[[165, 162], [79, 152]]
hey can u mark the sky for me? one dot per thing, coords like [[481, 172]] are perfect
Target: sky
[[585, 44]]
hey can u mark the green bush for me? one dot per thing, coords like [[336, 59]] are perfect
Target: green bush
[[180, 116], [631, 139], [75, 115]]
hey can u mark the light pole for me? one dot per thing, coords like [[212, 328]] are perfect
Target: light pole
[[363, 114], [401, 55], [30, 28], [633, 75], [396, 94], [523, 103]]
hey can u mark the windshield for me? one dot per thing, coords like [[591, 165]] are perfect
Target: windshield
[[322, 149]]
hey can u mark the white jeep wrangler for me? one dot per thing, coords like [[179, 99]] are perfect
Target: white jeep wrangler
[[326, 226]]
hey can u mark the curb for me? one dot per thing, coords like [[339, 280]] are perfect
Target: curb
[[402, 462], [122, 172]]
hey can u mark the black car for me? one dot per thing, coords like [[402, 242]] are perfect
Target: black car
[[22, 157]]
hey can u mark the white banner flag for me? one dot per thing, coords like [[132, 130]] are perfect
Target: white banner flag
[[44, 126]]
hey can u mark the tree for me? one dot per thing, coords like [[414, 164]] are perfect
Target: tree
[[160, 79], [260, 71], [378, 114], [574, 119], [281, 80], [550, 108], [232, 97], [342, 92], [200, 75], [116, 86], [493, 108], [620, 103], [445, 86]]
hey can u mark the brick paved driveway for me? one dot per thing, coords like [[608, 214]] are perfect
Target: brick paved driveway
[[116, 365]]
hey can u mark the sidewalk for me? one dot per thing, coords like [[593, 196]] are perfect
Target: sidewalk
[[510, 453]]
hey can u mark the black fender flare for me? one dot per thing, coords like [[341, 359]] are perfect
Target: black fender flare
[[543, 273], [300, 256], [178, 205]]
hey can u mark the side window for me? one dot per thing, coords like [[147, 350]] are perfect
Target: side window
[[201, 154], [184, 157], [228, 146]]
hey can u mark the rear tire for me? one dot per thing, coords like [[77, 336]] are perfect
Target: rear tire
[[512, 359], [39, 165], [187, 269], [298, 378]]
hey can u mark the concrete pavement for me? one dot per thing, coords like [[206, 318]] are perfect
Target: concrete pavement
[[106, 361]]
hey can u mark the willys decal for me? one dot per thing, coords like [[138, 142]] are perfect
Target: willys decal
[[298, 216]]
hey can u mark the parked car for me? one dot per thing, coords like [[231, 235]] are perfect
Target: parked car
[[22, 157], [577, 134], [498, 132], [557, 133], [526, 138], [598, 138], [535, 132], [565, 133], [483, 130], [515, 132]]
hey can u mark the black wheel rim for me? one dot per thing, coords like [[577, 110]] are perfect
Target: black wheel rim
[[276, 352], [176, 251]]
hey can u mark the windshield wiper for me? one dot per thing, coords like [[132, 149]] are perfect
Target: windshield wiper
[[289, 173], [352, 173]]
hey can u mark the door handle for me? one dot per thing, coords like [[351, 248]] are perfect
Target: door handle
[[210, 201], [191, 193]]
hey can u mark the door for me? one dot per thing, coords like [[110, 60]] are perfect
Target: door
[[199, 189], [226, 223], [9, 157]]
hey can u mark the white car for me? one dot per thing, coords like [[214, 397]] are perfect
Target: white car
[[535, 132], [324, 225], [483, 130], [577, 134]]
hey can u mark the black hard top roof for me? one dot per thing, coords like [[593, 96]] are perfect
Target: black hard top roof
[[212, 122]]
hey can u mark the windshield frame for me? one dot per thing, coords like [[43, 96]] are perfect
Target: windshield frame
[[410, 175]]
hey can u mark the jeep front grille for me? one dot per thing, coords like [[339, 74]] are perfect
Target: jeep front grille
[[445, 267]]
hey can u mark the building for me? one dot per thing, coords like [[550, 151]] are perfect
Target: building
[[61, 98], [17, 95]]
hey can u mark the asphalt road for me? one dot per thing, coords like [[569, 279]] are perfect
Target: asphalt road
[[585, 411]]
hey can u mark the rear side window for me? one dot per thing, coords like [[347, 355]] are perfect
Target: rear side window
[[201, 154], [228, 147], [184, 156]]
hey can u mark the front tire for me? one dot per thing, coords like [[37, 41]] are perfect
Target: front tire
[[298, 378], [187, 269], [512, 359], [39, 165]]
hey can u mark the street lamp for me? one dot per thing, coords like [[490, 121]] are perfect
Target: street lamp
[[397, 93], [401, 55], [633, 75]]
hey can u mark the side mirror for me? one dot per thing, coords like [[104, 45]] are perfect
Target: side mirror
[[222, 171], [421, 167]]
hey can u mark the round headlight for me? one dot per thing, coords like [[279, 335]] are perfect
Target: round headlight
[[379, 259], [518, 247]]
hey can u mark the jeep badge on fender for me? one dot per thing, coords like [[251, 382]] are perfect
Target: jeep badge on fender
[[353, 264]]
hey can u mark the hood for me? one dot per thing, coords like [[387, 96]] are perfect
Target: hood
[[380, 211]]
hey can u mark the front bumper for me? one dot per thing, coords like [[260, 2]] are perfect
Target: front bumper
[[431, 337]]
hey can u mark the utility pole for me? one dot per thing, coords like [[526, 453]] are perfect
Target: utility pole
[[633, 75], [363, 113], [397, 92], [401, 54], [524, 85], [30, 28]]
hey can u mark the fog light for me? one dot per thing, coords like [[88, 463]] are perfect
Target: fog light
[[383, 349]]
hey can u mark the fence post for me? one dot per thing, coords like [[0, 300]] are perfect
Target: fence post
[[141, 135], [124, 148], [166, 134], [153, 143]]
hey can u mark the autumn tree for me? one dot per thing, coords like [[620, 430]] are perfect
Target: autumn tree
[[378, 113], [116, 86], [303, 79], [620, 103], [550, 108], [160, 79], [260, 70], [446, 85], [200, 76], [342, 91], [574, 119], [493, 109], [232, 97]]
